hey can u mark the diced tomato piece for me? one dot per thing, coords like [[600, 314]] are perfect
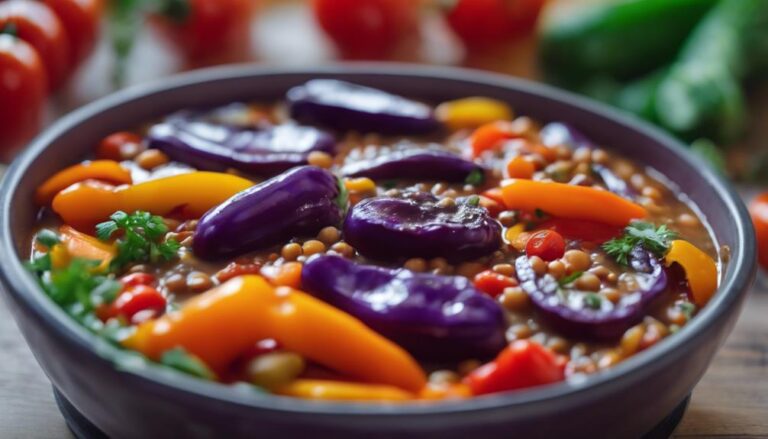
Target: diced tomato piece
[[546, 244], [492, 283], [581, 229], [134, 279], [138, 301], [234, 269], [522, 364]]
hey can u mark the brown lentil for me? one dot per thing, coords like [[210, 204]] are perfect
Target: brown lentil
[[329, 235], [290, 252], [320, 159], [175, 283], [505, 269], [446, 202], [312, 247], [588, 282], [469, 269], [274, 369], [556, 269], [538, 265], [343, 249], [151, 159], [687, 220], [198, 281], [576, 260], [418, 265], [514, 299], [611, 294]]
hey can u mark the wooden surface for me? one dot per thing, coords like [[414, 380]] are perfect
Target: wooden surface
[[730, 401]]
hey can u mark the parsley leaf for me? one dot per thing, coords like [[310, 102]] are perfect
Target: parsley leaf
[[181, 360], [473, 201], [141, 239], [593, 300], [656, 240], [570, 278], [687, 308], [475, 178]]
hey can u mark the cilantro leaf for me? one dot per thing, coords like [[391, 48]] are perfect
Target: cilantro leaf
[[475, 178], [141, 239], [639, 233], [181, 360], [473, 201], [570, 278], [593, 300]]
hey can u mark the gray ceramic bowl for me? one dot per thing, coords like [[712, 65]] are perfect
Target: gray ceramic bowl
[[141, 401]]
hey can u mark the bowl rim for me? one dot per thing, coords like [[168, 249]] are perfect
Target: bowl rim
[[21, 285]]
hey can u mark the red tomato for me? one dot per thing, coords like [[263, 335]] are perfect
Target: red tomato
[[22, 93], [522, 364], [758, 209], [490, 22], [492, 283], [138, 303], [546, 244], [119, 146], [38, 25], [367, 29], [81, 19], [582, 230], [210, 31], [134, 279]]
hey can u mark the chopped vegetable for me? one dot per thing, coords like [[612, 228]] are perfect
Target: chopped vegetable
[[569, 279], [700, 269], [489, 136], [327, 390], [654, 239], [589, 231], [571, 202], [546, 244], [136, 303], [84, 246], [181, 360], [520, 167], [248, 309], [472, 112], [104, 170], [190, 195], [141, 238], [492, 283], [522, 364]]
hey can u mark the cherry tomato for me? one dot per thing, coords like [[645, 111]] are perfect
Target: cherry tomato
[[138, 303], [520, 365], [492, 283], [481, 23], [37, 24], [367, 29], [582, 230], [81, 19], [546, 244], [134, 279], [22, 93], [210, 31], [758, 209], [122, 145]]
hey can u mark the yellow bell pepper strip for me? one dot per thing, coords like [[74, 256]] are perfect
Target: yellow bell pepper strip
[[445, 391], [190, 195], [84, 246], [700, 269], [570, 201], [472, 112], [224, 322], [108, 171], [60, 256], [328, 390]]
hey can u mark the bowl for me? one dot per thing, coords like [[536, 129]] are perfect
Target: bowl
[[126, 398]]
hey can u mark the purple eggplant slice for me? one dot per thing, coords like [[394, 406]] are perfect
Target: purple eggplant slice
[[614, 183], [439, 317], [414, 162], [346, 106], [267, 151], [415, 225], [559, 133], [299, 202], [583, 314]]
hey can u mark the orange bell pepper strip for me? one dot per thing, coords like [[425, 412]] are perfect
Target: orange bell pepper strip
[[108, 171], [328, 390], [84, 246], [224, 322], [570, 201], [488, 136], [85, 204], [700, 269]]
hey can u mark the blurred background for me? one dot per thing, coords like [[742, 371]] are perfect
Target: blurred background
[[696, 68]]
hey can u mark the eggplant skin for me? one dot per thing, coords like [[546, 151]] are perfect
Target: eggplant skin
[[414, 163], [413, 225], [266, 151], [434, 317], [345, 106], [298, 202], [574, 319]]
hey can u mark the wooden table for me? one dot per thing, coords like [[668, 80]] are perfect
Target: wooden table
[[730, 401]]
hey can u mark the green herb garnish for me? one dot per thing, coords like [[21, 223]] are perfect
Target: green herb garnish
[[473, 201], [593, 300], [141, 239], [656, 240], [567, 280], [183, 361], [342, 200], [687, 308], [475, 178]]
